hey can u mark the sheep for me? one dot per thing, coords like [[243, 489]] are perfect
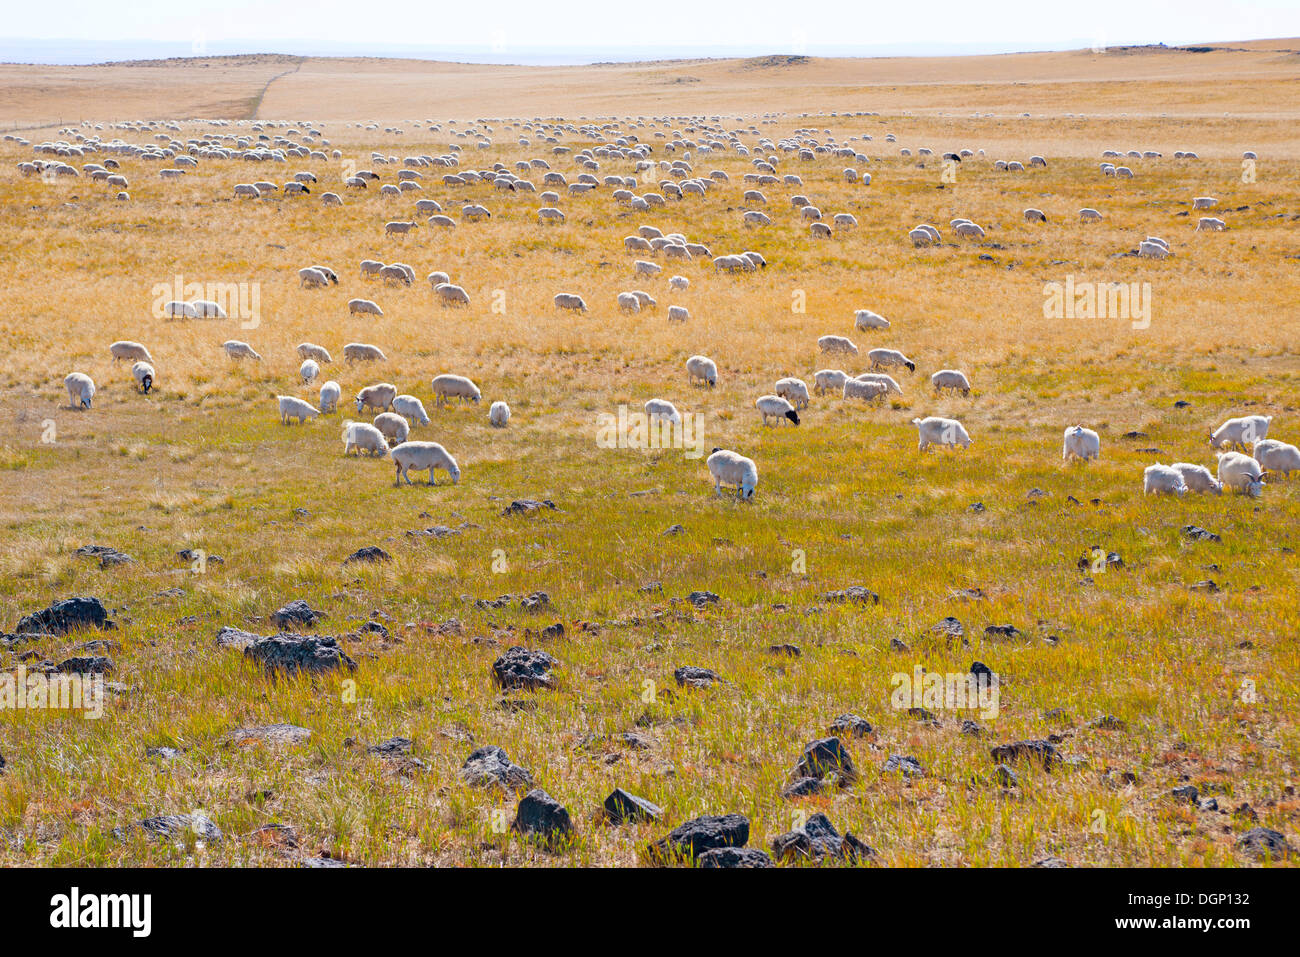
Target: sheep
[[646, 300], [442, 222], [936, 430], [394, 427], [81, 390], [411, 408], [678, 314], [1210, 224], [837, 344], [794, 390], [810, 213], [628, 302], [364, 352], [295, 189], [889, 382], [126, 349], [437, 278], [1276, 456], [240, 350], [1204, 202], [330, 393], [1198, 478], [1162, 480], [398, 228], [363, 437], [679, 283], [866, 319], [207, 309], [968, 229], [331, 199], [378, 396], [921, 237], [354, 182], [950, 379], [732, 468], [1089, 215], [845, 221], [1080, 443], [1150, 250], [643, 268], [636, 244], [447, 387], [291, 407], [394, 273], [364, 307], [820, 231], [570, 301], [868, 389], [774, 405], [756, 217], [1240, 432], [1240, 472], [309, 350], [451, 295], [473, 213], [549, 214], [829, 380], [702, 368], [311, 277], [178, 310], [499, 415], [881, 358], [732, 264], [247, 190], [1033, 215], [423, 455], [143, 374], [370, 267], [657, 409], [309, 370]]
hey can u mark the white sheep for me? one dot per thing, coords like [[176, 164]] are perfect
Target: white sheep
[[953, 379], [499, 415], [126, 349], [398, 228], [363, 437], [628, 302], [370, 267], [394, 427], [378, 396], [330, 393], [829, 380], [1240, 472], [1080, 443], [1210, 224], [240, 350], [291, 407], [882, 358], [657, 409], [866, 319], [571, 301], [309, 350], [732, 468], [412, 408], [868, 389], [447, 387], [702, 368], [1089, 215], [837, 344], [143, 374], [888, 381], [1033, 215], [179, 310], [678, 314], [207, 309], [678, 283], [364, 307], [1162, 480], [363, 352], [309, 370], [643, 268], [451, 295], [1240, 432], [1198, 478], [936, 430], [775, 406], [1274, 455], [81, 389], [1204, 202], [423, 455], [549, 214], [794, 390]]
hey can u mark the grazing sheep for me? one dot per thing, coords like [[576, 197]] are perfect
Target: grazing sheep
[[793, 389], [423, 455], [702, 368], [1162, 480], [637, 244], [291, 407], [732, 468], [969, 230], [829, 380], [571, 301], [309, 370], [364, 307], [363, 437], [126, 349], [950, 379], [207, 309], [646, 300], [1204, 202], [240, 350], [756, 217], [499, 415], [1240, 432], [1240, 472], [330, 393], [889, 382], [1198, 478], [473, 213], [378, 396], [1277, 456], [837, 344], [1080, 443], [451, 295], [845, 221], [936, 430], [1033, 215], [247, 190], [643, 268], [810, 214], [678, 314], [442, 222], [81, 390], [1150, 250], [331, 199], [1089, 215], [370, 267], [143, 374], [882, 358], [309, 350], [921, 237], [363, 352], [866, 319], [394, 427], [678, 283], [820, 231], [394, 272], [437, 278], [628, 302], [775, 406], [311, 278], [447, 387], [398, 228], [549, 214], [662, 409], [411, 408], [868, 389], [1210, 224]]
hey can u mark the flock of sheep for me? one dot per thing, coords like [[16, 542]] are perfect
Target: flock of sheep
[[676, 183]]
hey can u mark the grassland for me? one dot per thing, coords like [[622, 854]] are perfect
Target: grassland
[[203, 462]]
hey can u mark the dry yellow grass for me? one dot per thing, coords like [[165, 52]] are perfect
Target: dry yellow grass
[[204, 463]]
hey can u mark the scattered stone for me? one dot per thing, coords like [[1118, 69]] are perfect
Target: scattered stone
[[972, 728], [1108, 722], [552, 632], [1043, 752], [854, 593], [897, 644], [803, 787], [163, 753], [540, 815], [1209, 585], [298, 654], [1099, 559], [825, 756], [852, 725], [622, 806], [1261, 843], [701, 598], [1007, 632], [949, 627], [908, 765], [65, 615], [369, 554], [654, 586], [1050, 862], [197, 554], [790, 651], [271, 734], [674, 530], [706, 833], [276, 835], [1186, 792], [1006, 777], [490, 765], [297, 612], [172, 827], [528, 506], [536, 602], [734, 857], [983, 673], [392, 748], [818, 840], [1197, 534], [524, 668], [433, 531], [94, 665], [1181, 404], [107, 556], [921, 714], [689, 676], [976, 507], [229, 637]]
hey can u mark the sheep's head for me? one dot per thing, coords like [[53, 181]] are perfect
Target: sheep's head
[[793, 416]]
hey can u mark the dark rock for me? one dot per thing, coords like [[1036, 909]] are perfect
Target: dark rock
[[1209, 586], [1052, 862], [1097, 556], [107, 556], [193, 554], [973, 728], [976, 507], [528, 506], [1197, 534], [622, 806], [172, 827], [490, 765], [368, 554], [1261, 843], [1007, 632], [1209, 804], [854, 593], [701, 598], [983, 673], [908, 765], [540, 815], [950, 627], [734, 857], [276, 835], [1181, 404], [691, 839], [790, 651], [65, 615], [803, 787], [818, 840], [1108, 722], [897, 644], [392, 748], [298, 654], [96, 665], [552, 632], [823, 757], [921, 714], [693, 677], [1006, 777], [851, 724], [1186, 793], [298, 613], [536, 602], [433, 531], [163, 753], [1043, 752], [674, 530], [524, 668]]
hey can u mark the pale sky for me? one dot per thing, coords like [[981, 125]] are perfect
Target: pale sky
[[778, 24]]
